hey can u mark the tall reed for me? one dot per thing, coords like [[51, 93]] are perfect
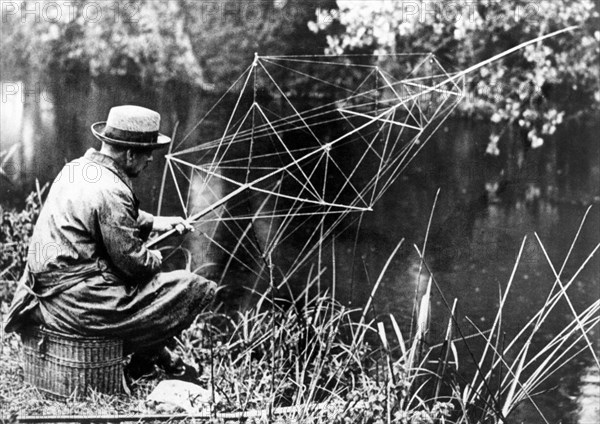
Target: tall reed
[[331, 367]]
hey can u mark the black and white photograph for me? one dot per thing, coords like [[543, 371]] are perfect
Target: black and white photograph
[[300, 212]]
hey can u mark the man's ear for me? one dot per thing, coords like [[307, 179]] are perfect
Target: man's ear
[[129, 155]]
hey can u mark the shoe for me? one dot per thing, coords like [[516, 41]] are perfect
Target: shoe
[[175, 367], [169, 361], [140, 366]]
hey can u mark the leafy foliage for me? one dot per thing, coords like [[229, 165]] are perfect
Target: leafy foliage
[[15, 231], [201, 43], [225, 35], [537, 88], [144, 40]]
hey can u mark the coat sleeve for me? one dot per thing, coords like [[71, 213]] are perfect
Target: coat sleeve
[[121, 235], [145, 222]]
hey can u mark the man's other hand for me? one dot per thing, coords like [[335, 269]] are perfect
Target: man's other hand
[[166, 223]]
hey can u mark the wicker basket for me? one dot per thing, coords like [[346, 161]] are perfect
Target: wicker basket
[[63, 365]]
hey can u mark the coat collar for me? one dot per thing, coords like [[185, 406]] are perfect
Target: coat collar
[[109, 163]]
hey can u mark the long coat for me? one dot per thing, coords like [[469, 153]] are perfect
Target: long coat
[[88, 271]]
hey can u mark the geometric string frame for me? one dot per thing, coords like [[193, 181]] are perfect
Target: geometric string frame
[[288, 163]]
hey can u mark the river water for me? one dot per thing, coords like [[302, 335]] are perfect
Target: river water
[[486, 206]]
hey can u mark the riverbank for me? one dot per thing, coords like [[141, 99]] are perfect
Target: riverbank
[[306, 348]]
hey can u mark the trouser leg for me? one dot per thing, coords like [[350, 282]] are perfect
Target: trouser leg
[[179, 297]]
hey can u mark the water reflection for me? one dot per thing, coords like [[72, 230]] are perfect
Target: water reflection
[[27, 120], [588, 400], [203, 192]]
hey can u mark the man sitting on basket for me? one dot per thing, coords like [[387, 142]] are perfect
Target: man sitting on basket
[[96, 277]]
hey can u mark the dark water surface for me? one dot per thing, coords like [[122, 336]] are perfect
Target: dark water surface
[[486, 206]]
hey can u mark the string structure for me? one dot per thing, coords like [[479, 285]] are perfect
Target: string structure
[[296, 146]]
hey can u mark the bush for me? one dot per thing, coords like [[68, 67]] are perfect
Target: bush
[[15, 232]]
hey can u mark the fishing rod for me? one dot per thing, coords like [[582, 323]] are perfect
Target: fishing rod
[[195, 217]]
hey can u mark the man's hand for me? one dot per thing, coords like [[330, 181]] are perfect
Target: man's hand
[[166, 223], [157, 254]]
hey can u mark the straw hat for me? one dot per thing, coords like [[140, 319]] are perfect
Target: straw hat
[[131, 126]]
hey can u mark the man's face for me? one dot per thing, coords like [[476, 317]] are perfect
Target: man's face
[[137, 161]]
